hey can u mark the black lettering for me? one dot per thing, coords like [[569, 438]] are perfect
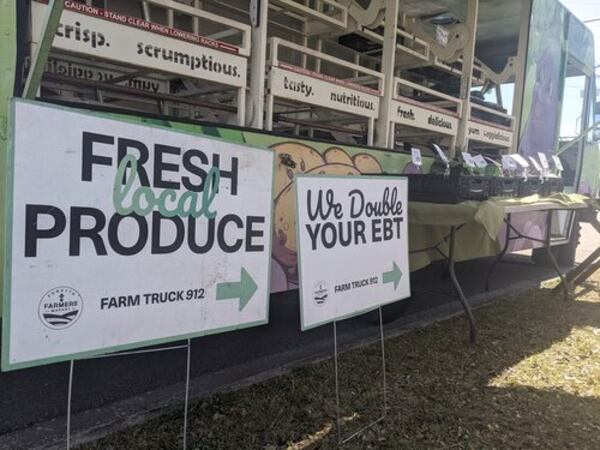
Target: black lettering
[[189, 165], [230, 174], [328, 243], [113, 234], [345, 241], [210, 236], [359, 232], [93, 233], [160, 166], [123, 146], [33, 233], [253, 233], [227, 248], [88, 158], [157, 248], [312, 233]]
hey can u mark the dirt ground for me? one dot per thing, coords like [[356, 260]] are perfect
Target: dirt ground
[[532, 380]]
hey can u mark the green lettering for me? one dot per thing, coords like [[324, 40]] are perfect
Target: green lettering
[[187, 205]]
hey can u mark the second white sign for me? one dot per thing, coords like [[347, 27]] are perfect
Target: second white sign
[[353, 245]]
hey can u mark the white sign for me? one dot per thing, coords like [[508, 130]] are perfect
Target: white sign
[[406, 112], [536, 165], [492, 161], [117, 37], [557, 163], [296, 83], [353, 245], [520, 160], [509, 163], [94, 73], [415, 155], [490, 134], [441, 154], [543, 160], [468, 159], [123, 235], [480, 161]]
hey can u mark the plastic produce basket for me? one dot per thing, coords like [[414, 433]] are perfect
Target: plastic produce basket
[[504, 186], [436, 188]]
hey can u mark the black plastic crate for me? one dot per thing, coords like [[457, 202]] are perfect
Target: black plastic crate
[[504, 186], [545, 189], [531, 186], [554, 184], [550, 186], [436, 188]]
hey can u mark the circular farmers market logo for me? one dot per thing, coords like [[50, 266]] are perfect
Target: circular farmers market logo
[[320, 293], [60, 307]]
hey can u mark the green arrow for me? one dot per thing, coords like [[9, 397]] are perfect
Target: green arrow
[[243, 289], [393, 276]]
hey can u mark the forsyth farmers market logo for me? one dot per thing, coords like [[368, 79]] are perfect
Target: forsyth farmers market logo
[[321, 292], [60, 307]]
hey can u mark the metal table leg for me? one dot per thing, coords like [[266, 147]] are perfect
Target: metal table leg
[[587, 266], [450, 238], [578, 273], [500, 255], [459, 291], [563, 280]]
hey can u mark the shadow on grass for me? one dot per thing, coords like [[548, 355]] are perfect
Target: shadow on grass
[[442, 392]]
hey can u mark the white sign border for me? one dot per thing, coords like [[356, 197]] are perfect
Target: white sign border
[[355, 313], [8, 248]]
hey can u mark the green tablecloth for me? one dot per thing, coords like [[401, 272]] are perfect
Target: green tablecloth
[[482, 221]]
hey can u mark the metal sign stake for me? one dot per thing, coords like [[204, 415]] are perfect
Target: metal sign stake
[[187, 393], [381, 336], [337, 384], [341, 441], [69, 395], [134, 352]]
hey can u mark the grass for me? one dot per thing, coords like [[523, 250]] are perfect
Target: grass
[[532, 380]]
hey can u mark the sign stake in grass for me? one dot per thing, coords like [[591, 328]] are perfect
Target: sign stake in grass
[[358, 219]]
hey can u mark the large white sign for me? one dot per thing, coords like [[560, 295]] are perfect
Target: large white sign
[[296, 83], [123, 234], [490, 134], [116, 37], [353, 245], [427, 118]]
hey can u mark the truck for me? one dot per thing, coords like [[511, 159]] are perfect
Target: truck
[[338, 87]]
